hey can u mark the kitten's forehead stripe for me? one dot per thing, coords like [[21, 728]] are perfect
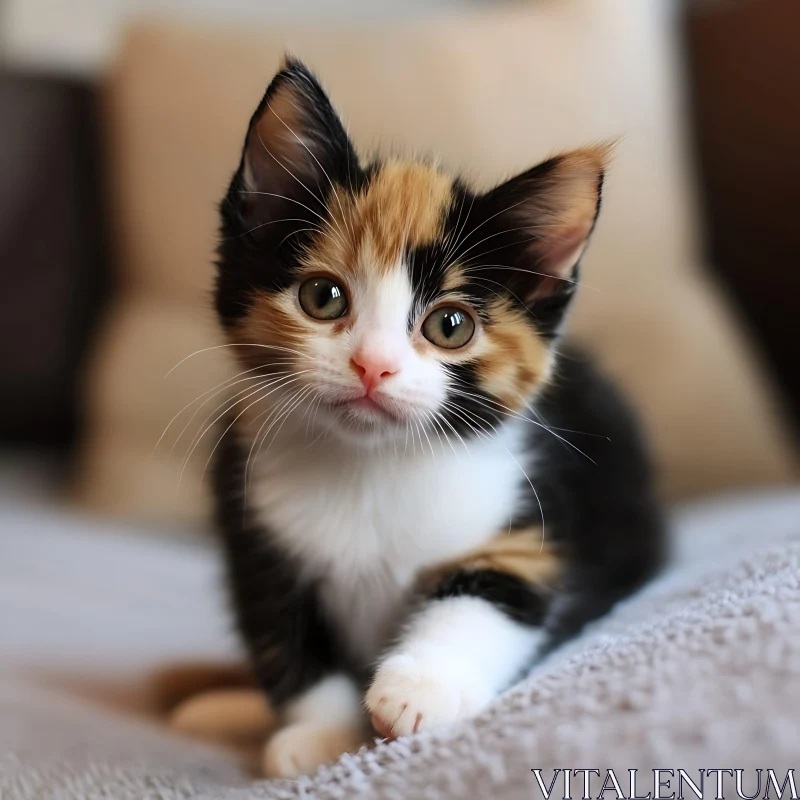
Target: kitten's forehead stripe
[[402, 207]]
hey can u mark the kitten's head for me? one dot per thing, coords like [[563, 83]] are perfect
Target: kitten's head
[[390, 295]]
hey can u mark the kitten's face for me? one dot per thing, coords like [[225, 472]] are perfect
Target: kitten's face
[[379, 299]]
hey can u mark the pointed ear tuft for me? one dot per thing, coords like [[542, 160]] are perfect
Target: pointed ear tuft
[[296, 146], [561, 207], [538, 225]]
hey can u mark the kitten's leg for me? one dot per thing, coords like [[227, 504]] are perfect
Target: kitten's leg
[[476, 634], [322, 723], [293, 651], [227, 715]]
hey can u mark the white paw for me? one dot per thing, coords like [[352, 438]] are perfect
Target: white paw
[[299, 748], [411, 694]]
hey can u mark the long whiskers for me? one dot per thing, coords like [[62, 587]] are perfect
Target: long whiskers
[[265, 382], [227, 429], [291, 200], [227, 399], [471, 270], [421, 426], [533, 489], [515, 460], [259, 390], [280, 411], [237, 344], [216, 389], [481, 224], [499, 408]]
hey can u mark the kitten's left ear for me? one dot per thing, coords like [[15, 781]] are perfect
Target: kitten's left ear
[[540, 222]]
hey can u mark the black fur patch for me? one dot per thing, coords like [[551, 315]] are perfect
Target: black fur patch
[[514, 597], [278, 615]]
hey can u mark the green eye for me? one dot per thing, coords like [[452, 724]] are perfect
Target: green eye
[[448, 327], [322, 298]]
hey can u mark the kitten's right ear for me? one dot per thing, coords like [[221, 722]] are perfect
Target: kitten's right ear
[[296, 147]]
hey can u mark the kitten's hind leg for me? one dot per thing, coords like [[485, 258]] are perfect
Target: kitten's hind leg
[[322, 724]]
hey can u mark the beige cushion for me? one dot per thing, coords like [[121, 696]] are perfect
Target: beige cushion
[[491, 93]]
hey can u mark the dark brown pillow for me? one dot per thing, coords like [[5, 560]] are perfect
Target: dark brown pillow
[[53, 267], [744, 70]]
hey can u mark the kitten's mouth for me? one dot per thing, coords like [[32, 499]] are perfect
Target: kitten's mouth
[[364, 409], [368, 403]]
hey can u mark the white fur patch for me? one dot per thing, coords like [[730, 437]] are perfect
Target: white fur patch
[[299, 748], [333, 699], [323, 723], [455, 656], [365, 522]]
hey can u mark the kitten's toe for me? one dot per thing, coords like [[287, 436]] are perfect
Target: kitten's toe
[[300, 748], [411, 694]]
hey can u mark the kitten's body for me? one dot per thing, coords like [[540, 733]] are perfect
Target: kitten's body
[[445, 521], [395, 516]]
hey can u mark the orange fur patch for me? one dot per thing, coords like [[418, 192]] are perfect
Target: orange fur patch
[[454, 278], [272, 320], [514, 361], [522, 553], [404, 206]]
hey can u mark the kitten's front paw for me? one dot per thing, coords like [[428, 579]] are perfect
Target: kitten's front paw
[[411, 694], [299, 748]]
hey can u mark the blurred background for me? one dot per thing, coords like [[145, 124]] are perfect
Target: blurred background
[[120, 124]]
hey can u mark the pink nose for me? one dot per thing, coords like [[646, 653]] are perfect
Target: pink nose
[[373, 368]]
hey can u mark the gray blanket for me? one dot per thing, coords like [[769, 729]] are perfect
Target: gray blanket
[[699, 670]]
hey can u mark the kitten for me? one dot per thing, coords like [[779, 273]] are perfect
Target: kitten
[[406, 517]]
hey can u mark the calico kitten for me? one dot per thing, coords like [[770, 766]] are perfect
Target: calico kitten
[[420, 491]]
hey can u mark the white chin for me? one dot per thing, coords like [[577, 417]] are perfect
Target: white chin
[[360, 425]]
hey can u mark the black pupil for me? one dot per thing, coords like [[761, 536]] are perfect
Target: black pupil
[[327, 293], [451, 321]]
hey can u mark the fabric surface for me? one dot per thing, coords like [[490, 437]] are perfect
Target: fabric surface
[[492, 93], [698, 670]]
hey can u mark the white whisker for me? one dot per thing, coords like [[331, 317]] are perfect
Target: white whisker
[[516, 415], [236, 344], [219, 387], [533, 489], [469, 271], [266, 381], [480, 225], [223, 413], [310, 152]]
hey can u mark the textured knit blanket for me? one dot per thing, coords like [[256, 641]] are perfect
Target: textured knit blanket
[[698, 671]]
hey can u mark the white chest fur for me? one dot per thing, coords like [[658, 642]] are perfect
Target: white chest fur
[[365, 522]]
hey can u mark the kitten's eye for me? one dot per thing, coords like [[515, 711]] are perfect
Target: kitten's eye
[[448, 327], [322, 298]]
